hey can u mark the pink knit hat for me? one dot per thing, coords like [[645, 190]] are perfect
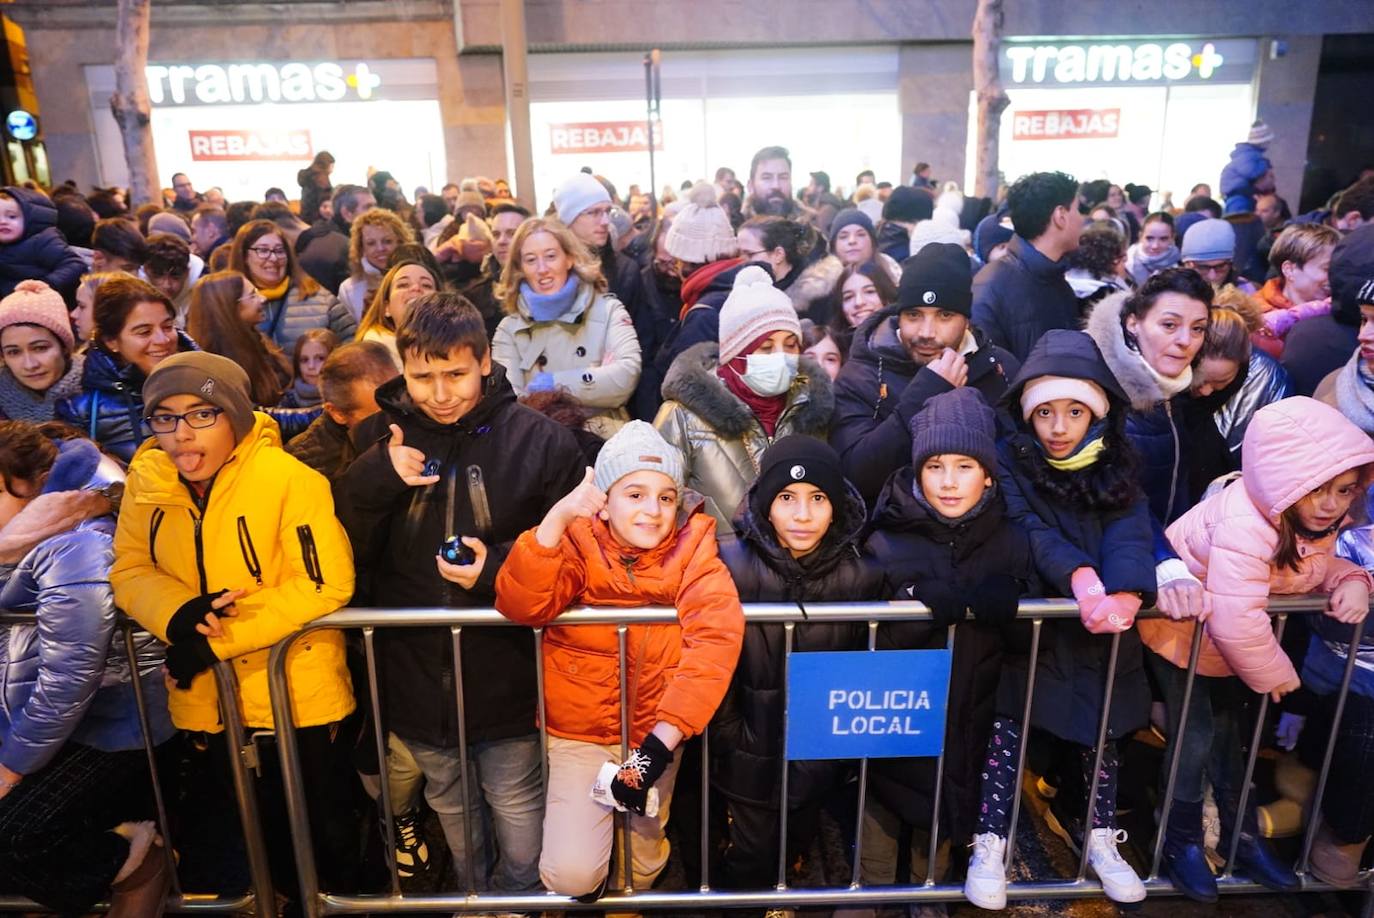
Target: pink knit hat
[[35, 303]]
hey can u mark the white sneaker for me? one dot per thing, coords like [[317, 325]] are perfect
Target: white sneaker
[[1119, 881], [986, 883]]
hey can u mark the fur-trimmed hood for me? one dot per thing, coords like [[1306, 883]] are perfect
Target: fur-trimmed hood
[[1129, 368], [692, 381], [819, 278]]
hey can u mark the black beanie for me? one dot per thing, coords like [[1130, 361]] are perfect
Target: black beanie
[[908, 205], [957, 422], [796, 459], [940, 275], [1352, 275]]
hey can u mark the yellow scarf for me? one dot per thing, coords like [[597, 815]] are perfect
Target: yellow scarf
[[277, 292], [1079, 460]]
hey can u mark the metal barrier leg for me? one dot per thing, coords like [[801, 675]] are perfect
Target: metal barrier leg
[[1239, 816], [542, 714], [939, 780], [706, 810], [857, 873], [145, 727], [1097, 754], [1350, 657], [1036, 626], [627, 855], [787, 638], [1177, 739], [383, 769], [247, 795], [464, 778]]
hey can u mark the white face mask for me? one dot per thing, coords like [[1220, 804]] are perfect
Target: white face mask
[[770, 374]]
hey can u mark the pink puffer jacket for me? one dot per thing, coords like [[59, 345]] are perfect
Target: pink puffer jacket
[[1228, 541]]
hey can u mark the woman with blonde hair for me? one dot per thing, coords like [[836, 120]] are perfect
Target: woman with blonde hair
[[562, 328], [399, 287], [374, 236], [225, 311]]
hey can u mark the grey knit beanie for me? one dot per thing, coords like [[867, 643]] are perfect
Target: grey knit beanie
[[637, 446], [218, 380]]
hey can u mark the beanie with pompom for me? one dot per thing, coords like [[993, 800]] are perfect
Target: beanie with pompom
[[35, 303], [701, 231], [753, 309]]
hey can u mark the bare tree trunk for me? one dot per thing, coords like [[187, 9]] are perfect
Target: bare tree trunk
[[992, 99], [130, 105]]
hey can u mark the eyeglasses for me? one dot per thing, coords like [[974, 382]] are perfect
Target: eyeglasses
[[198, 419], [267, 253], [1215, 268]]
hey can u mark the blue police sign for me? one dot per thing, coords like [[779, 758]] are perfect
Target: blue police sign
[[22, 125], [867, 704]]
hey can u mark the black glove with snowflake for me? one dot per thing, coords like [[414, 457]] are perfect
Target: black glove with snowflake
[[638, 773]]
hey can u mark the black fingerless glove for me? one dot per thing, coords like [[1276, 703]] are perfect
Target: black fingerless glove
[[182, 625], [638, 773], [946, 606], [996, 598], [188, 659]]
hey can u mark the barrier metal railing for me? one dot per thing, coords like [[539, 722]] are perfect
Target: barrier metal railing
[[241, 755], [320, 902]]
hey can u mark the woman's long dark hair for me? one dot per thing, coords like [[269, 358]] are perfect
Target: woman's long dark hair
[[1111, 483]]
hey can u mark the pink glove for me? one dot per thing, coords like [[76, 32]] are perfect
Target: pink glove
[[1088, 591], [1113, 614]]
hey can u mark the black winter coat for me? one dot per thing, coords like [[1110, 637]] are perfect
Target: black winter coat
[[41, 253], [1316, 346], [1021, 296], [880, 389], [702, 321], [746, 733], [894, 241], [322, 251], [109, 409], [325, 446], [528, 463], [921, 554], [1116, 543], [654, 325]]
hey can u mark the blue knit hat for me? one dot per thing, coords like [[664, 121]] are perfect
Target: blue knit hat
[[958, 422], [851, 217]]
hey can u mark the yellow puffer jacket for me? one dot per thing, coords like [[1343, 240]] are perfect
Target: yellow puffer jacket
[[268, 528]]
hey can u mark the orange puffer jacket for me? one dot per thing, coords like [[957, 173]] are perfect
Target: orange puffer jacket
[[677, 673]]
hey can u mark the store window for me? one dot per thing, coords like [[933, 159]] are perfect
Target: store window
[[1164, 113], [250, 126]]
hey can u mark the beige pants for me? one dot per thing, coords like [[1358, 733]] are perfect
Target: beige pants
[[579, 832]]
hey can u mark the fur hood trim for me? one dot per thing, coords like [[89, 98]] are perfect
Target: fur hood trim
[[1104, 327], [692, 382], [818, 280]]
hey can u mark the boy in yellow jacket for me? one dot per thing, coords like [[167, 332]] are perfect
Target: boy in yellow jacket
[[226, 545]]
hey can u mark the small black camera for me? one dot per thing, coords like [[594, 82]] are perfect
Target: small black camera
[[455, 552]]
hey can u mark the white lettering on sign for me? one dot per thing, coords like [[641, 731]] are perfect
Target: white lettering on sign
[[888, 701], [873, 725], [1066, 124], [604, 137], [216, 84], [231, 146], [1143, 63]]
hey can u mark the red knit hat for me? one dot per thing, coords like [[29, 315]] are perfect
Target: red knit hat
[[35, 303]]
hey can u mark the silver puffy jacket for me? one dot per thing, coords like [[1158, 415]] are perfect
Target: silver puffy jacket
[[1266, 381]]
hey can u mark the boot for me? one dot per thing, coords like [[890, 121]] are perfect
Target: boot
[[143, 893], [1333, 861], [1254, 857], [1185, 860]]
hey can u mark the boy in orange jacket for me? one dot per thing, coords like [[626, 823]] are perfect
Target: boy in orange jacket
[[629, 535]]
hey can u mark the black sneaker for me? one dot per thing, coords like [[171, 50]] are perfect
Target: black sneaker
[[412, 854]]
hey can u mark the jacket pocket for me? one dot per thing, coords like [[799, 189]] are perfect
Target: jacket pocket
[[581, 690], [310, 555], [250, 554]]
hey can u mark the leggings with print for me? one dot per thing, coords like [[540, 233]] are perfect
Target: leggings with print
[[1000, 787]]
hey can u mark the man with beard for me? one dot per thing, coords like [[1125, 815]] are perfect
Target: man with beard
[[694, 267], [584, 206], [770, 185], [504, 221], [920, 346]]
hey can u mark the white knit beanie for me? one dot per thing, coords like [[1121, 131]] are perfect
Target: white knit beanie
[[701, 231], [576, 194], [1044, 389], [753, 309], [1261, 135], [634, 447]]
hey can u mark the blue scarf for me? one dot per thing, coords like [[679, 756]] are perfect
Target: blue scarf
[[545, 307]]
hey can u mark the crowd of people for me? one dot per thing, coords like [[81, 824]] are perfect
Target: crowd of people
[[229, 420]]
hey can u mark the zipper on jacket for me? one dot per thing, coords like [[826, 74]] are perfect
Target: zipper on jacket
[[310, 555], [250, 554], [629, 562], [154, 525], [200, 552], [1173, 477]]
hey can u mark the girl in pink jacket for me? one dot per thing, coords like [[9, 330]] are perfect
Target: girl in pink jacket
[[1272, 531]]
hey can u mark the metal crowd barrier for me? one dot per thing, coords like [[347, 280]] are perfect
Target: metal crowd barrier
[[180, 901], [319, 902]]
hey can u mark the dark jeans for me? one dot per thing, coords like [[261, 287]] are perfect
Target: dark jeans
[[56, 846], [1348, 805], [1212, 742]]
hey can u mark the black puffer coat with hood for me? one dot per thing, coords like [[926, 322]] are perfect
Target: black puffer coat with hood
[[41, 253]]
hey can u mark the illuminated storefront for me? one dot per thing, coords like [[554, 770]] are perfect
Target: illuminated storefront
[[1164, 112], [248, 126]]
